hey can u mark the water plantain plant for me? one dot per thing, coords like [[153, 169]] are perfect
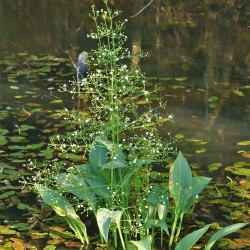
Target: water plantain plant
[[105, 185], [121, 142]]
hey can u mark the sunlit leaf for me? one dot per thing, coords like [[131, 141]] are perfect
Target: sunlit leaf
[[143, 102], [54, 198], [3, 140], [18, 245], [18, 139], [201, 150], [144, 244], [180, 182], [213, 105], [213, 98], [6, 231], [181, 79], [25, 127], [6, 194], [14, 87], [104, 219], [4, 131], [224, 232], [238, 92], [56, 101], [188, 241], [78, 186], [243, 143]]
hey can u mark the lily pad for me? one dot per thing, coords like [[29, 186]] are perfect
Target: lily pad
[[3, 140], [243, 143], [4, 131]]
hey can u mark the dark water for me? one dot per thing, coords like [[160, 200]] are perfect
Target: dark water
[[196, 50]]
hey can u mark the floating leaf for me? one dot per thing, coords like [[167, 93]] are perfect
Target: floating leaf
[[18, 139], [25, 127], [243, 143], [4, 131], [48, 153], [29, 104], [179, 136], [201, 150], [7, 231], [18, 245], [143, 102], [14, 87], [213, 105], [213, 99], [56, 101], [245, 87], [3, 140], [181, 79], [238, 92], [6, 194], [18, 96], [213, 167]]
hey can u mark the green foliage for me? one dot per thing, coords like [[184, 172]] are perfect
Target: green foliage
[[104, 219], [64, 209], [122, 143], [144, 244], [188, 241], [224, 232]]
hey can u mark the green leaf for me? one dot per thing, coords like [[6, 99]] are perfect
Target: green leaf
[[98, 154], [162, 210], [55, 199], [223, 232], [198, 185], [157, 223], [4, 131], [114, 164], [238, 92], [243, 143], [144, 244], [26, 127], [104, 219], [63, 208], [3, 140], [77, 185], [114, 150], [7, 194], [180, 182], [188, 241]]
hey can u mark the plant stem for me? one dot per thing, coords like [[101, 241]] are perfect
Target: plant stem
[[121, 237], [173, 230], [179, 228]]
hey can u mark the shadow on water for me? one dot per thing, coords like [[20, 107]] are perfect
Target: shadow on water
[[198, 54]]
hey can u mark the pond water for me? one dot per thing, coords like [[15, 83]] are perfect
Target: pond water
[[198, 53]]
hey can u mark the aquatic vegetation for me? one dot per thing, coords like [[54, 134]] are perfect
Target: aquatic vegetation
[[117, 132]]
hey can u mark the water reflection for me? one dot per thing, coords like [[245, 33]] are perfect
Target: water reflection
[[204, 41]]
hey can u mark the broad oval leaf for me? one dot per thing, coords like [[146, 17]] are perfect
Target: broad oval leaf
[[55, 199], [180, 182], [144, 244], [104, 219], [77, 186]]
